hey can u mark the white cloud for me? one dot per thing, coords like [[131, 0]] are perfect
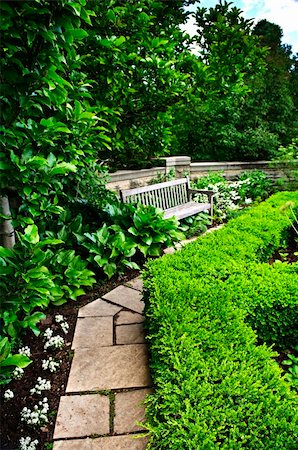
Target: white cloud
[[283, 13]]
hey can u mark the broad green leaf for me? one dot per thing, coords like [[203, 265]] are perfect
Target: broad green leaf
[[6, 252], [16, 360], [31, 234]]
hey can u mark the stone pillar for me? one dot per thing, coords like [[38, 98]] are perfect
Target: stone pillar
[[181, 165]]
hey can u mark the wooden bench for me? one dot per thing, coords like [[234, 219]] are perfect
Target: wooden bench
[[173, 197]]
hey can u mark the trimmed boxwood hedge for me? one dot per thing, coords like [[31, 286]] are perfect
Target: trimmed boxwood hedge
[[207, 307]]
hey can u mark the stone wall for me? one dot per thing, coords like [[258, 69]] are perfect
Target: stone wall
[[127, 179]]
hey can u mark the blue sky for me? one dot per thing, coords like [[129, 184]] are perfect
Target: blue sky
[[282, 12]]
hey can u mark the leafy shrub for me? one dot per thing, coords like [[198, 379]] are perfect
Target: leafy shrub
[[162, 177], [146, 226], [110, 249], [231, 196], [32, 278], [195, 225], [286, 160], [214, 388], [257, 185]]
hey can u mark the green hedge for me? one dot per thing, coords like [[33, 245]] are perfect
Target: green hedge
[[215, 388]]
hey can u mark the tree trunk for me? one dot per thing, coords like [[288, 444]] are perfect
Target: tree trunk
[[7, 228]]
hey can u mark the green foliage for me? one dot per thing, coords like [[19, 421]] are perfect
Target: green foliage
[[9, 362], [277, 89], [257, 185], [161, 178], [242, 103], [210, 180], [129, 228], [135, 51], [292, 364], [232, 196], [110, 249], [195, 225], [33, 276], [151, 231], [286, 158], [214, 387]]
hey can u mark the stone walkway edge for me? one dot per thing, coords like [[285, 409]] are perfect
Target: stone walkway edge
[[109, 377]]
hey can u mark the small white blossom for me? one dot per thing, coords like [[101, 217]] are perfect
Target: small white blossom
[[37, 416], [59, 318], [247, 201], [41, 385], [28, 444], [8, 394], [54, 342], [18, 373], [63, 324], [65, 327], [48, 333], [25, 351], [50, 364]]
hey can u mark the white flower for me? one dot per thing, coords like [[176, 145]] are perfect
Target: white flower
[[18, 373], [25, 351], [38, 415], [50, 364], [48, 333], [8, 394], [59, 318], [54, 342], [65, 327], [28, 444], [41, 385], [247, 201]]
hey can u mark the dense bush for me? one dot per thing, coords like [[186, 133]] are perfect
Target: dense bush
[[215, 388], [231, 196]]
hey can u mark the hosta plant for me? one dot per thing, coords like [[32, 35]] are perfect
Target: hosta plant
[[110, 249], [152, 232]]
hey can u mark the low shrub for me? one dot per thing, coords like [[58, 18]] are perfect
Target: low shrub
[[215, 388], [250, 187]]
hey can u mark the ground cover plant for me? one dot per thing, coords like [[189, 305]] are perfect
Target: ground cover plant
[[212, 308]]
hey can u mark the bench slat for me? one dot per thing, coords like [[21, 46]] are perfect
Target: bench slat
[[186, 210]]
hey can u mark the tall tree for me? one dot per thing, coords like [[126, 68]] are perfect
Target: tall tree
[[211, 126], [134, 52], [277, 92]]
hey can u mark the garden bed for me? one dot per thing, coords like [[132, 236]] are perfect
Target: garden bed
[[207, 308], [12, 429]]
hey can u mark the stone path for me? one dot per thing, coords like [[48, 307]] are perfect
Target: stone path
[[109, 376]]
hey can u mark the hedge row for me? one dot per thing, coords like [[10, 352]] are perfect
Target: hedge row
[[214, 387]]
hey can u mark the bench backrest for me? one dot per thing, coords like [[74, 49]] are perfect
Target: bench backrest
[[162, 195]]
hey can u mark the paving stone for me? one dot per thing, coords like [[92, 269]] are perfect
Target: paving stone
[[73, 444], [130, 334], [127, 317], [117, 367], [98, 308], [93, 332], [129, 410], [128, 442], [169, 250], [127, 297], [136, 283], [82, 415]]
